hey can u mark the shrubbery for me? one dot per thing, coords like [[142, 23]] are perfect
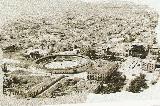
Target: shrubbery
[[138, 84], [114, 83], [11, 48], [91, 53]]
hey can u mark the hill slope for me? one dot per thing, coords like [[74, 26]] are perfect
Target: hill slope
[[79, 24]]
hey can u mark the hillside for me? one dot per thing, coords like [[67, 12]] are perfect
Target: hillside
[[82, 25]]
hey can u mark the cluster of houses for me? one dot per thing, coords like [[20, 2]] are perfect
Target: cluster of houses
[[149, 54]]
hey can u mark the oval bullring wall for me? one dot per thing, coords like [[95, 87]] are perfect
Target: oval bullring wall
[[83, 64]]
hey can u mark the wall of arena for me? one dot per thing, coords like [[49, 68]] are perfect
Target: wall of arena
[[76, 69]]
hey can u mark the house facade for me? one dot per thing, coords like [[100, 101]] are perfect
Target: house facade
[[148, 65]]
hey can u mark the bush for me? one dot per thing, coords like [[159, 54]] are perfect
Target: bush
[[4, 68], [91, 53], [114, 83], [16, 80], [11, 48], [138, 84]]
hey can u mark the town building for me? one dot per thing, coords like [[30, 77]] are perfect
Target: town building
[[154, 52], [148, 65], [99, 72]]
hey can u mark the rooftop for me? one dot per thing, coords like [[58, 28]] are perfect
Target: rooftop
[[104, 67], [149, 61]]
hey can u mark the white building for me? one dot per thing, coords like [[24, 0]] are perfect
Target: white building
[[148, 65], [154, 51]]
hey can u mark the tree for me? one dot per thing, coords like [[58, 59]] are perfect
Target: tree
[[114, 83], [11, 48], [4, 68], [16, 80], [138, 51], [91, 53], [138, 84]]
